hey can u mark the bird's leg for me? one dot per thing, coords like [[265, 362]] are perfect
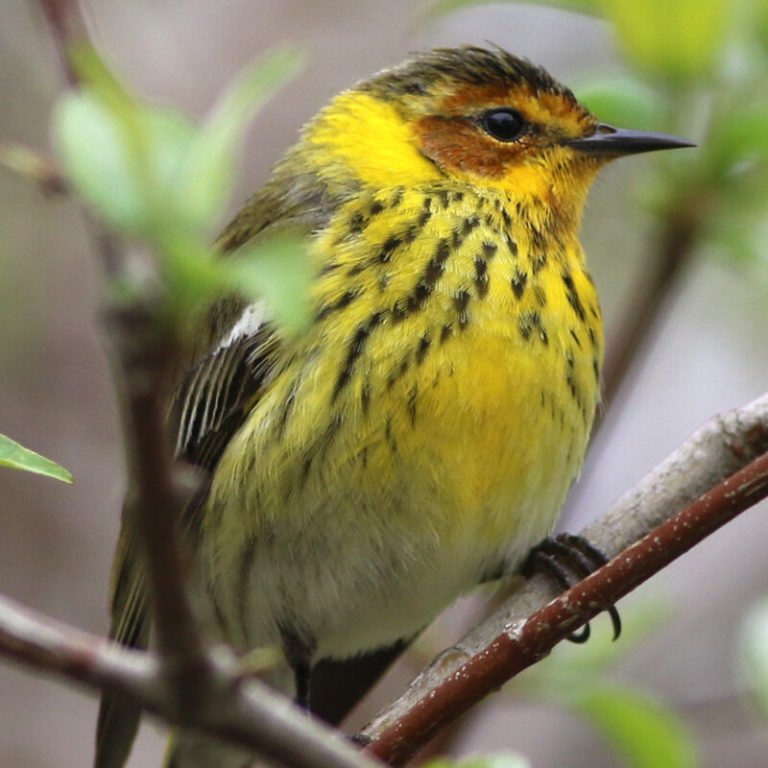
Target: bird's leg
[[299, 651], [567, 559]]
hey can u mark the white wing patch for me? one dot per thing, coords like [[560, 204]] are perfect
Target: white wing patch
[[213, 385], [248, 324]]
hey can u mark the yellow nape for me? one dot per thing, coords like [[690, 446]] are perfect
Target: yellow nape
[[384, 151]]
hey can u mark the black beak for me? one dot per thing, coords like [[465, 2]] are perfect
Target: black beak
[[607, 140]]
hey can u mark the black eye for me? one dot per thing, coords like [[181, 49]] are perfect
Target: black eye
[[503, 124]]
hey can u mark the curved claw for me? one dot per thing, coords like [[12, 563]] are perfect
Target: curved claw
[[567, 559]]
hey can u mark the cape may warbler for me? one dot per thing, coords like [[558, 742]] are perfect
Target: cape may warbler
[[421, 436]]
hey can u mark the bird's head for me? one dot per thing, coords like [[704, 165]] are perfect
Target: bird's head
[[473, 115]]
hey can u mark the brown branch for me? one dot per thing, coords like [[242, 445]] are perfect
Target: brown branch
[[144, 351], [244, 711], [723, 463], [44, 644], [526, 641], [34, 167], [67, 24]]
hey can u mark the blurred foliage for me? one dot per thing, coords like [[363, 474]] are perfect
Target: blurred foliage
[[500, 760], [676, 40], [15, 456], [753, 656], [645, 732], [623, 99], [153, 176]]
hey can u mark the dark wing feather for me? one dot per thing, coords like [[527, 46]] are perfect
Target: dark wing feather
[[119, 718], [215, 398], [338, 686]]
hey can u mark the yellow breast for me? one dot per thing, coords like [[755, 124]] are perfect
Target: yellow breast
[[426, 430], [470, 332]]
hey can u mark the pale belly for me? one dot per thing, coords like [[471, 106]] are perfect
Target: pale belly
[[404, 511]]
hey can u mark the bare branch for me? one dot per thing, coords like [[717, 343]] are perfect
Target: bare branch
[[144, 349], [45, 644], [245, 712], [67, 25], [726, 456], [33, 166]]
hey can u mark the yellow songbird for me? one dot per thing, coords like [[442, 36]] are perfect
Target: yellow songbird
[[422, 434]]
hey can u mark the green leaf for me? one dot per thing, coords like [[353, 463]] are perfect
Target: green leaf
[[753, 659], [741, 135], [279, 272], [209, 173], [124, 107], [645, 733], [192, 271], [676, 39], [99, 80], [169, 140], [622, 100], [123, 156], [572, 667], [125, 170], [149, 173], [16, 456], [147, 170], [93, 155]]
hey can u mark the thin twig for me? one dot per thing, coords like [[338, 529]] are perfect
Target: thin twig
[[68, 30], [702, 465], [67, 24], [143, 347], [34, 167], [247, 712]]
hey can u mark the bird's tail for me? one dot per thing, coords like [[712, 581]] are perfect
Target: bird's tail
[[193, 750], [118, 718]]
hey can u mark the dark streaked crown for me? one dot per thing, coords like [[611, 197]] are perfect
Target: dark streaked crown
[[468, 65]]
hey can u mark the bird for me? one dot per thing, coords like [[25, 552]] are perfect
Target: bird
[[419, 437]]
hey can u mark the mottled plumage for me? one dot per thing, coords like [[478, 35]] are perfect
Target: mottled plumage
[[421, 436]]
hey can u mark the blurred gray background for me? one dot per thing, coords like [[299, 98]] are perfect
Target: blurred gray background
[[56, 396]]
